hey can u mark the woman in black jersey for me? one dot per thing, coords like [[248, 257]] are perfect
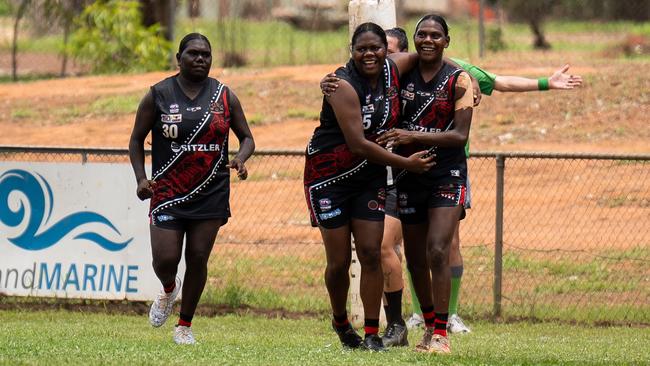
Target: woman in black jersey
[[189, 116], [437, 111], [344, 181]]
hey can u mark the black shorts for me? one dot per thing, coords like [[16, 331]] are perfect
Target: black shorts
[[415, 202], [468, 199], [392, 209], [335, 205], [468, 195], [391, 202], [214, 206], [171, 222]]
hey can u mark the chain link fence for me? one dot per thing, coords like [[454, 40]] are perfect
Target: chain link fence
[[551, 237]]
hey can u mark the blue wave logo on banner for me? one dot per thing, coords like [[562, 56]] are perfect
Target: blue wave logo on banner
[[36, 236]]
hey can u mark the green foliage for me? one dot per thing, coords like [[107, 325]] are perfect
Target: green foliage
[[23, 114], [255, 119], [303, 113], [107, 106], [5, 8], [269, 43], [494, 40], [115, 104], [111, 38]]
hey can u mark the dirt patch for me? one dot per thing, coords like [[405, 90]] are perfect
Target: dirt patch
[[608, 114]]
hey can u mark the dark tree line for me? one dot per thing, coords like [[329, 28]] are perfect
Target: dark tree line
[[62, 13], [534, 12]]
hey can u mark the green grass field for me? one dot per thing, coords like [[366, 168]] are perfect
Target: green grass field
[[63, 337]]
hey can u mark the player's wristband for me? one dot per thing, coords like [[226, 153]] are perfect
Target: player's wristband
[[542, 83]]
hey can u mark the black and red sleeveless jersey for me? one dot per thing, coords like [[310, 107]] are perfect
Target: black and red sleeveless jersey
[[429, 107], [328, 157], [189, 147]]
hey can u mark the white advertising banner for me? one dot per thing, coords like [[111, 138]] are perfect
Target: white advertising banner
[[73, 231]]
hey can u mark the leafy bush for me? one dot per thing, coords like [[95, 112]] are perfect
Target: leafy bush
[[494, 40], [5, 8], [110, 37]]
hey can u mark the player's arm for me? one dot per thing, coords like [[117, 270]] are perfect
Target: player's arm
[[144, 122], [347, 109], [482, 81], [559, 80], [405, 61], [463, 109], [239, 126], [329, 83]]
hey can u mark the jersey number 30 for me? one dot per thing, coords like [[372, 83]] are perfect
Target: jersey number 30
[[170, 131]]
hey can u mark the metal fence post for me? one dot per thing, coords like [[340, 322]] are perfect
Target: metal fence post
[[481, 28], [169, 31], [498, 236]]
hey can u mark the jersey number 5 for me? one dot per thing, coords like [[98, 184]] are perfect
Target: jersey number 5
[[170, 131], [366, 121]]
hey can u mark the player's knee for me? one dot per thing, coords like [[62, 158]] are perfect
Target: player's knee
[[455, 243], [369, 258], [197, 259], [336, 269], [387, 252], [438, 253], [416, 267], [164, 263]]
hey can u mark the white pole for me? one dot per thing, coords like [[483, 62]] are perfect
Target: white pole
[[381, 12]]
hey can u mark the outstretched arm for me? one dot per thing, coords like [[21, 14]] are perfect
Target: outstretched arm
[[559, 80]]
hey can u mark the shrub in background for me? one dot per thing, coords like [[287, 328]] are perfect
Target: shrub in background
[[110, 38], [494, 40]]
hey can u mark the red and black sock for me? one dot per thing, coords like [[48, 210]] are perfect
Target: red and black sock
[[441, 324], [185, 320], [169, 288], [340, 322], [428, 315], [393, 307], [371, 326]]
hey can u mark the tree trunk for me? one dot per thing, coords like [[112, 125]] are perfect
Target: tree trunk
[[158, 11], [148, 11], [66, 36], [540, 42], [14, 45], [194, 8], [399, 11]]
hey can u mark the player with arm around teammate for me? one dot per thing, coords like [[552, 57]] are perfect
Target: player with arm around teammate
[[484, 82], [345, 175], [437, 105]]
